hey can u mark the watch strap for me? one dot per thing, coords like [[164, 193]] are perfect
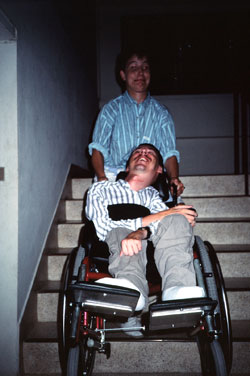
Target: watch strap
[[147, 228]]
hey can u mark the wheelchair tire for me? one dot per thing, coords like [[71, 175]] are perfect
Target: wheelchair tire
[[87, 359], [69, 276], [81, 360], [73, 361], [216, 290], [226, 338], [212, 357]]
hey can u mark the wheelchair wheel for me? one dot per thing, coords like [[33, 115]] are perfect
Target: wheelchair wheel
[[80, 360], [70, 274], [226, 337], [216, 290], [212, 358], [73, 361]]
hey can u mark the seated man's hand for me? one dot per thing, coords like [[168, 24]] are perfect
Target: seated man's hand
[[187, 210], [131, 245]]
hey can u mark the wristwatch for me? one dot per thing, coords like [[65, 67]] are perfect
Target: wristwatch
[[147, 228]]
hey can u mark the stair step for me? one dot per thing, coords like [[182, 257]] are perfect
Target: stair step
[[74, 210], [68, 234], [234, 260], [125, 357], [132, 357], [221, 207], [47, 305], [48, 331], [79, 188], [211, 186], [211, 207], [224, 232], [195, 186], [55, 267], [231, 284], [233, 264]]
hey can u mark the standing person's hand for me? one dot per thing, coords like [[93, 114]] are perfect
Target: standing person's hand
[[179, 185]]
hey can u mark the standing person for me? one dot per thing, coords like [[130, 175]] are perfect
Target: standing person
[[131, 119], [170, 230]]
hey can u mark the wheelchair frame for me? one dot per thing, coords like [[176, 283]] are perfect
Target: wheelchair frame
[[86, 308]]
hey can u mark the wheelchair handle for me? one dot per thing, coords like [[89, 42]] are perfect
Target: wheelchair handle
[[174, 195]]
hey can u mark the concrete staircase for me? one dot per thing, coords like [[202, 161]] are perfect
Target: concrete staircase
[[224, 220]]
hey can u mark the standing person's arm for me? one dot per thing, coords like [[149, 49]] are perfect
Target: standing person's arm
[[171, 156], [172, 168], [98, 164], [99, 148]]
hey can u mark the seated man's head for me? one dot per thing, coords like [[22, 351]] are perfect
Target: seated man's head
[[145, 162]]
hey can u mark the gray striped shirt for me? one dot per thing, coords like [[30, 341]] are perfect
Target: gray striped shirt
[[105, 193]]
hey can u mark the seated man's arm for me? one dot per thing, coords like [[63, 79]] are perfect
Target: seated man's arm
[[190, 215], [132, 243]]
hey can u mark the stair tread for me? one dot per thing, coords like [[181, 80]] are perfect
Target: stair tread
[[231, 284], [48, 332]]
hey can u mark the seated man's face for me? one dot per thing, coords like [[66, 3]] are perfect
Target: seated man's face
[[144, 161]]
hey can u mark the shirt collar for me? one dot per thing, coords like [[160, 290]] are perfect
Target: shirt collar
[[124, 183], [130, 101]]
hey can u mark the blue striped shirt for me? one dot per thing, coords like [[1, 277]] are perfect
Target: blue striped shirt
[[105, 193], [123, 124]]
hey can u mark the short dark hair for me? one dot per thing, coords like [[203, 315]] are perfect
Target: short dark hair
[[150, 146], [129, 52]]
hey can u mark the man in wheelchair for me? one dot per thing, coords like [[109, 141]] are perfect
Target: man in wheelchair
[[127, 213]]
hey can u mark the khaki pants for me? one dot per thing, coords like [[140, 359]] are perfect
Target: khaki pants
[[173, 242]]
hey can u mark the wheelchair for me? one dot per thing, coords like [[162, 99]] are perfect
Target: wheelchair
[[91, 313]]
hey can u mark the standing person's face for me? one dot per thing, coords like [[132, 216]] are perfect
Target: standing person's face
[[136, 75]]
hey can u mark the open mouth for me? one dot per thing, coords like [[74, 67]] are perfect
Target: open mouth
[[142, 160]]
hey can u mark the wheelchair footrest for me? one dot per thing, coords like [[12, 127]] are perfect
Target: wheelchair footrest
[[179, 313], [105, 300]]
